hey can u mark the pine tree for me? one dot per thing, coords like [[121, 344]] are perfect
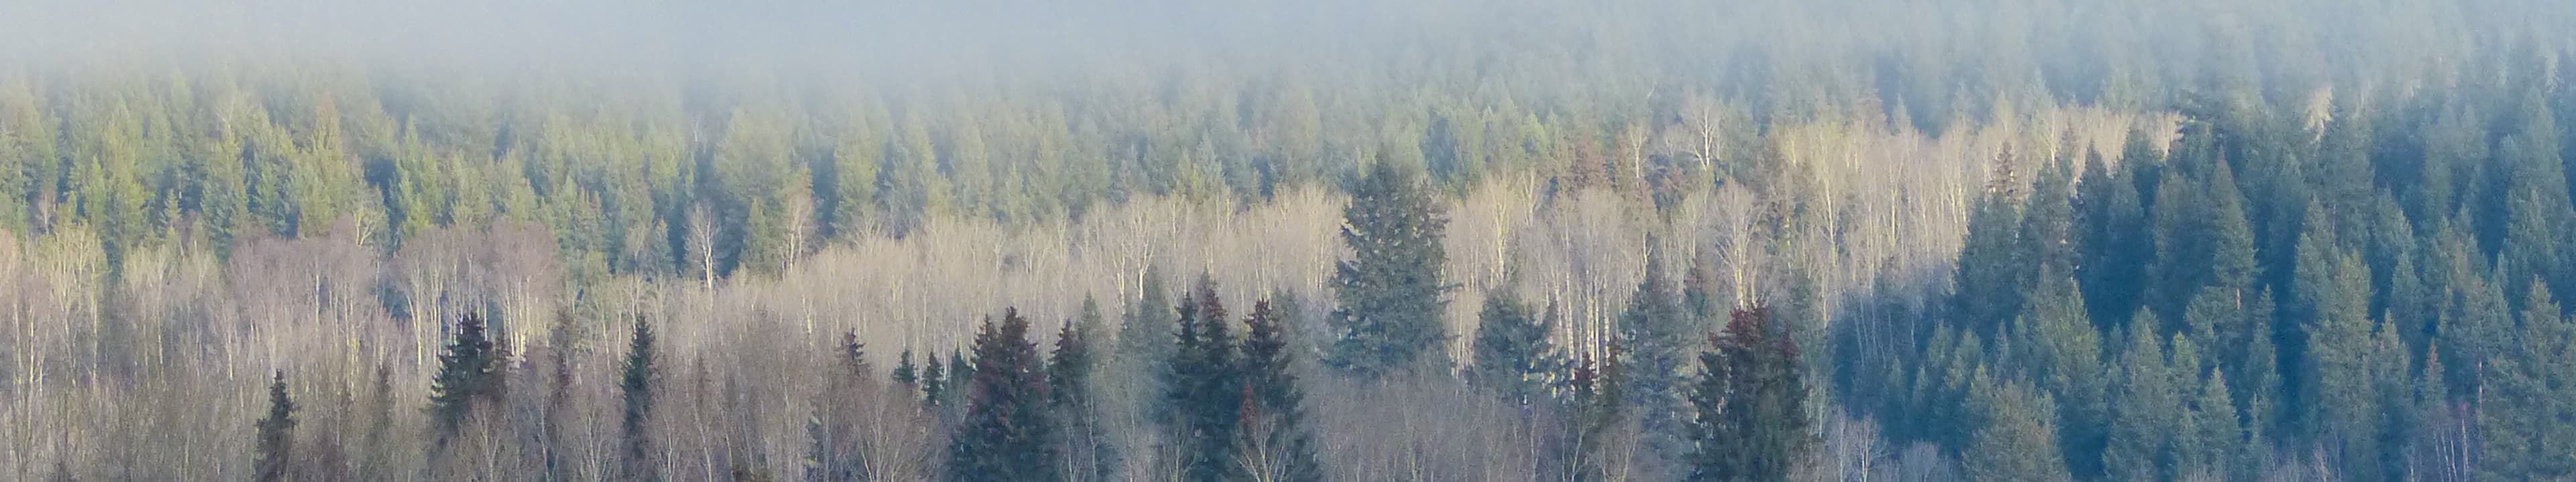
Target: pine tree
[[1750, 404], [635, 383], [1390, 295], [1277, 445], [1512, 356], [471, 370], [1006, 434], [276, 433]]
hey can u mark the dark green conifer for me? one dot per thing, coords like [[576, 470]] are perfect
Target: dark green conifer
[[1750, 404], [1277, 445], [1512, 356], [276, 448], [1008, 434], [635, 384], [1389, 296], [471, 370]]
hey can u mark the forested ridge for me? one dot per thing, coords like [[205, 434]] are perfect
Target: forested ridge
[[1430, 240]]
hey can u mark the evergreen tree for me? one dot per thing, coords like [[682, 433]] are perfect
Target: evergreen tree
[[1006, 434], [471, 370], [832, 430], [1750, 404], [1276, 444], [276, 448], [2115, 246], [905, 374], [1389, 296], [1653, 333], [960, 372], [2529, 397], [1988, 277], [2019, 439], [1203, 388], [1145, 333], [934, 389], [1087, 449], [2146, 407], [635, 383], [2213, 445], [1512, 355], [2063, 355], [2342, 353]]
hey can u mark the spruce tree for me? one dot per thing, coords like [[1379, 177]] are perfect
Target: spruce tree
[[2146, 406], [961, 371], [1988, 275], [905, 374], [469, 371], [1277, 445], [1750, 404], [2529, 396], [832, 430], [1145, 333], [1389, 296], [1007, 434], [635, 384], [1087, 451], [1654, 333], [1203, 388], [934, 389], [2114, 243], [1512, 355], [2019, 438], [276, 448]]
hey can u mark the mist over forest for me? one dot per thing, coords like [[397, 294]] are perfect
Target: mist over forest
[[1418, 240]]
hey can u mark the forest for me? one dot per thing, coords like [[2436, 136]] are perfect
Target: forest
[[1421, 240]]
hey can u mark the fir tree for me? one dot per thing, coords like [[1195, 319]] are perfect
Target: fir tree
[[2114, 243], [471, 370], [635, 383], [905, 374], [1145, 333], [960, 371], [1750, 404], [1203, 388], [1087, 450], [1389, 296], [835, 454], [934, 389], [2019, 440], [1512, 356], [276, 448], [1653, 332], [1006, 434], [2146, 406], [1276, 444], [2529, 396], [1988, 275]]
